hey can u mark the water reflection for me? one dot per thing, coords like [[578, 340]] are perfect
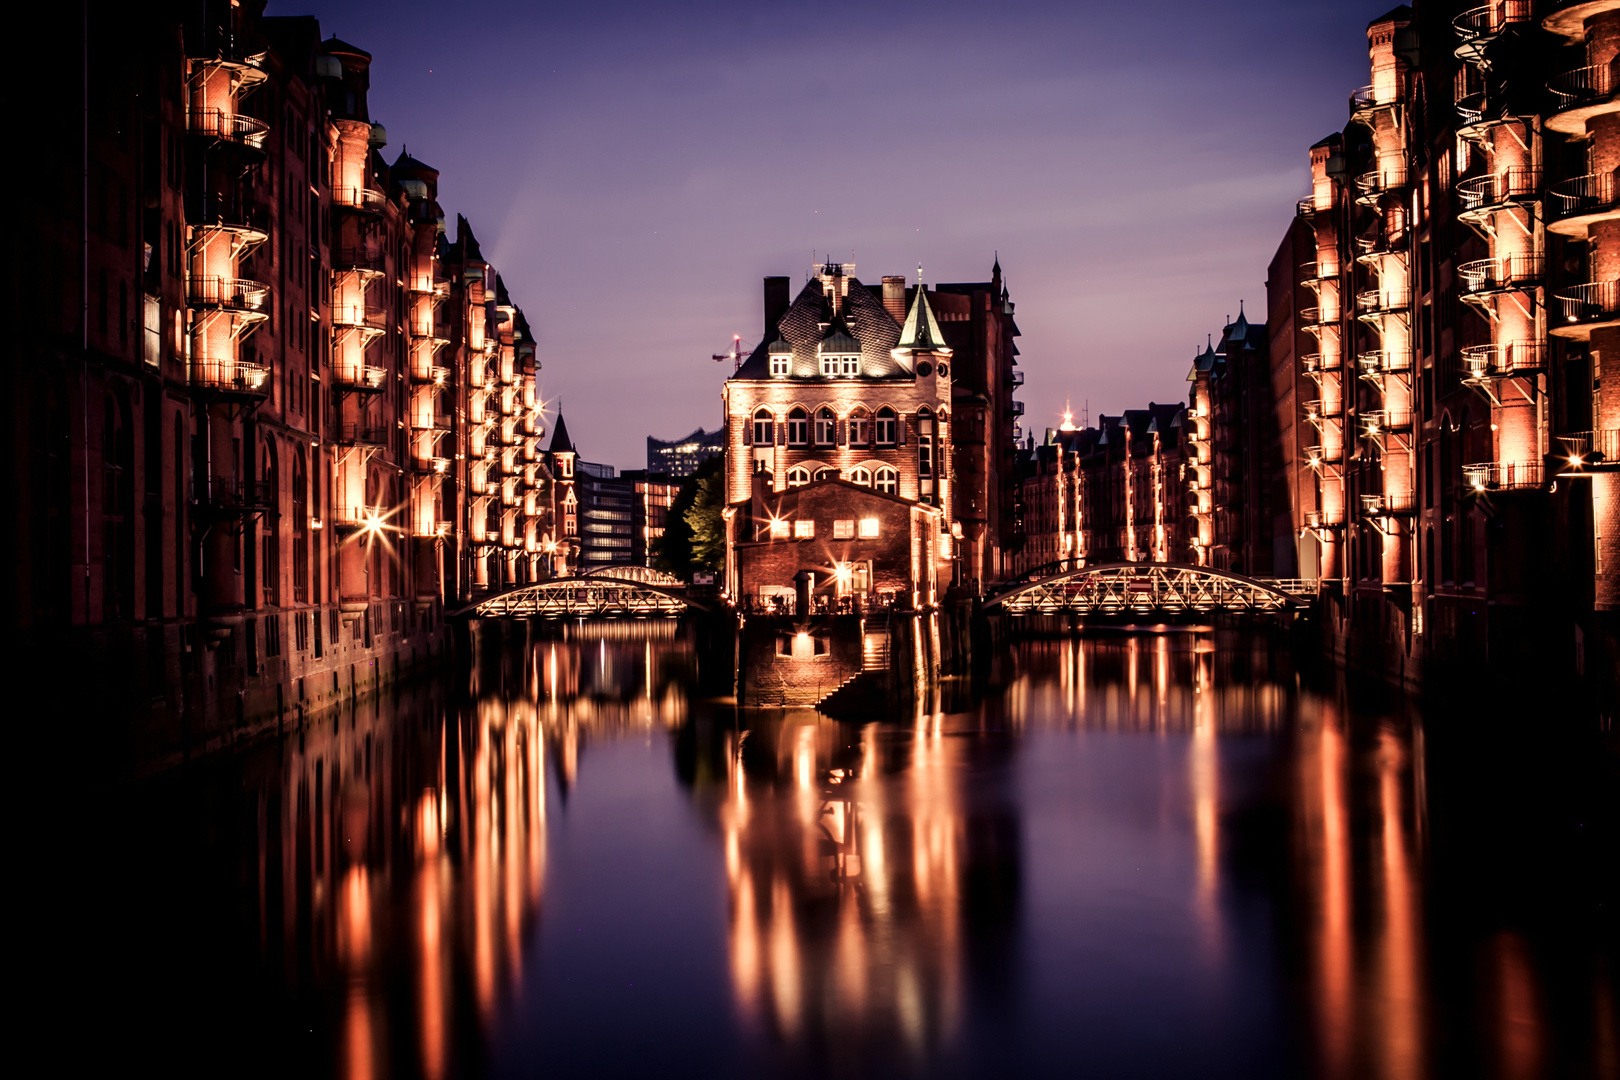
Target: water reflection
[[1160, 854]]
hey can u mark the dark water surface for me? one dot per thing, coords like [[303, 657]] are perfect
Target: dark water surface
[[1149, 855]]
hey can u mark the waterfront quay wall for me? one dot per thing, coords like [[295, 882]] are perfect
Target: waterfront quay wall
[[147, 697]]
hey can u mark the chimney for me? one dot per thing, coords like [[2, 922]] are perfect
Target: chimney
[[776, 304], [894, 296]]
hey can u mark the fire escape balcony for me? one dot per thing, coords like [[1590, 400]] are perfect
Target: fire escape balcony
[[1374, 184], [1319, 455], [1374, 304], [1315, 364], [360, 200], [1018, 408], [1314, 317], [229, 377], [348, 520], [359, 378], [434, 422], [1503, 476], [230, 129], [1389, 504], [248, 224], [367, 321], [1587, 452], [429, 338], [1318, 413], [1377, 422], [1482, 279], [1579, 309], [1505, 361], [438, 288], [1579, 203], [1567, 18], [1366, 101], [1017, 377], [1478, 27], [358, 259], [1313, 272], [431, 466], [1374, 365], [429, 374], [1375, 244], [359, 435], [1309, 208], [1480, 196], [1580, 95], [236, 296], [227, 495], [1321, 519]]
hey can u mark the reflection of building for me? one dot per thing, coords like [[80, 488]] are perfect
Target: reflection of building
[[1116, 492], [857, 384], [680, 458], [1453, 277]]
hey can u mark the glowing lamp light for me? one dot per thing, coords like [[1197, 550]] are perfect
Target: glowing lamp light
[[1576, 461], [841, 571]]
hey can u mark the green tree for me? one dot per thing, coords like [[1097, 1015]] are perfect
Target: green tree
[[694, 537]]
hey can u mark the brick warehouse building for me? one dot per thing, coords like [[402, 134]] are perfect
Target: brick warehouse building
[[268, 420], [867, 385], [1445, 344]]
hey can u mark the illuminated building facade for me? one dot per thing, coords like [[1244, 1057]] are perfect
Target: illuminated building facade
[[649, 512], [861, 384], [1116, 492], [280, 421], [679, 458], [1448, 323]]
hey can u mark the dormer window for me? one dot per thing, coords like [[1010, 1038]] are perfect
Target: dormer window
[[840, 367], [779, 365]]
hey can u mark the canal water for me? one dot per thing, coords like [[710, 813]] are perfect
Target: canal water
[[1133, 855]]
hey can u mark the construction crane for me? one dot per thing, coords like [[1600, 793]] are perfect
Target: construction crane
[[735, 355]]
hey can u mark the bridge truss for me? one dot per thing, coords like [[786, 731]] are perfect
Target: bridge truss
[[597, 595], [1148, 588]]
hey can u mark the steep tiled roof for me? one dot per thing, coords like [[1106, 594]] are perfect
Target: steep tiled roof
[[807, 321], [560, 442]]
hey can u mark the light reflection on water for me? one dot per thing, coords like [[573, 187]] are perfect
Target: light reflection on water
[[1154, 854]]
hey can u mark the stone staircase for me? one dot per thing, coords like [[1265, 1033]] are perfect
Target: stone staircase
[[864, 695]]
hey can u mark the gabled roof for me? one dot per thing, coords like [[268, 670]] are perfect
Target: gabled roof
[[921, 330]]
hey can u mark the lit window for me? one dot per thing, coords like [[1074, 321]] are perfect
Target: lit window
[[826, 426], [843, 530], [861, 475], [888, 481], [826, 474], [885, 426], [849, 366], [869, 528], [798, 427], [779, 364], [762, 427], [798, 476], [860, 428], [779, 529], [804, 530]]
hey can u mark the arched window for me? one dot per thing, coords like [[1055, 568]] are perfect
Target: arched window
[[886, 432], [888, 481], [798, 476], [762, 427], [826, 474], [860, 427], [826, 426], [798, 427], [861, 475]]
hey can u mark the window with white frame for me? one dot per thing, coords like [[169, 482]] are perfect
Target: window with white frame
[[804, 529], [762, 427], [849, 366], [798, 476], [925, 455], [869, 528], [826, 426], [844, 530], [888, 481], [861, 475], [860, 428], [798, 425], [779, 364], [826, 474]]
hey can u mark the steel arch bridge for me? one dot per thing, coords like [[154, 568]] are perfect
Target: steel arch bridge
[[595, 595], [1142, 588]]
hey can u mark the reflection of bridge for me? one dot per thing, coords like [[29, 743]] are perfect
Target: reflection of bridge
[[602, 592], [1141, 588]]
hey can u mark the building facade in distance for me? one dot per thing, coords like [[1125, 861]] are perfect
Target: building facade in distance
[[680, 458]]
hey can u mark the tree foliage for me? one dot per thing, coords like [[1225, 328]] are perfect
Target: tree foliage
[[694, 539]]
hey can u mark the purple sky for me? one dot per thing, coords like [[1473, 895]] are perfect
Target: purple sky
[[635, 168]]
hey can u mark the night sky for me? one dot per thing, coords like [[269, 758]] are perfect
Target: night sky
[[634, 169]]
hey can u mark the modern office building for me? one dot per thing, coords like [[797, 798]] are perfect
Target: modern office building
[[680, 458]]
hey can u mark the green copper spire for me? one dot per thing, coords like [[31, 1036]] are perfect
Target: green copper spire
[[921, 330]]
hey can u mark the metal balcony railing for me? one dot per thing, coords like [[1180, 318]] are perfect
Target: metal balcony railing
[[360, 316], [362, 377], [1317, 456], [1589, 449], [229, 493], [230, 376], [1316, 363], [357, 257], [1375, 302], [1310, 206], [1366, 100], [1503, 475], [352, 518], [1583, 195], [1582, 87], [1319, 315], [1478, 27], [431, 466], [1481, 362], [1593, 302], [362, 199], [249, 219], [1383, 363], [359, 435], [435, 423], [1388, 504], [1318, 411], [1377, 421], [1375, 183], [1314, 271], [1017, 377], [1018, 408], [1321, 519], [1506, 273], [1480, 194], [237, 295], [227, 127], [430, 374]]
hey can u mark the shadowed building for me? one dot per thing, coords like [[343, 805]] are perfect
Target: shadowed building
[[679, 458]]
